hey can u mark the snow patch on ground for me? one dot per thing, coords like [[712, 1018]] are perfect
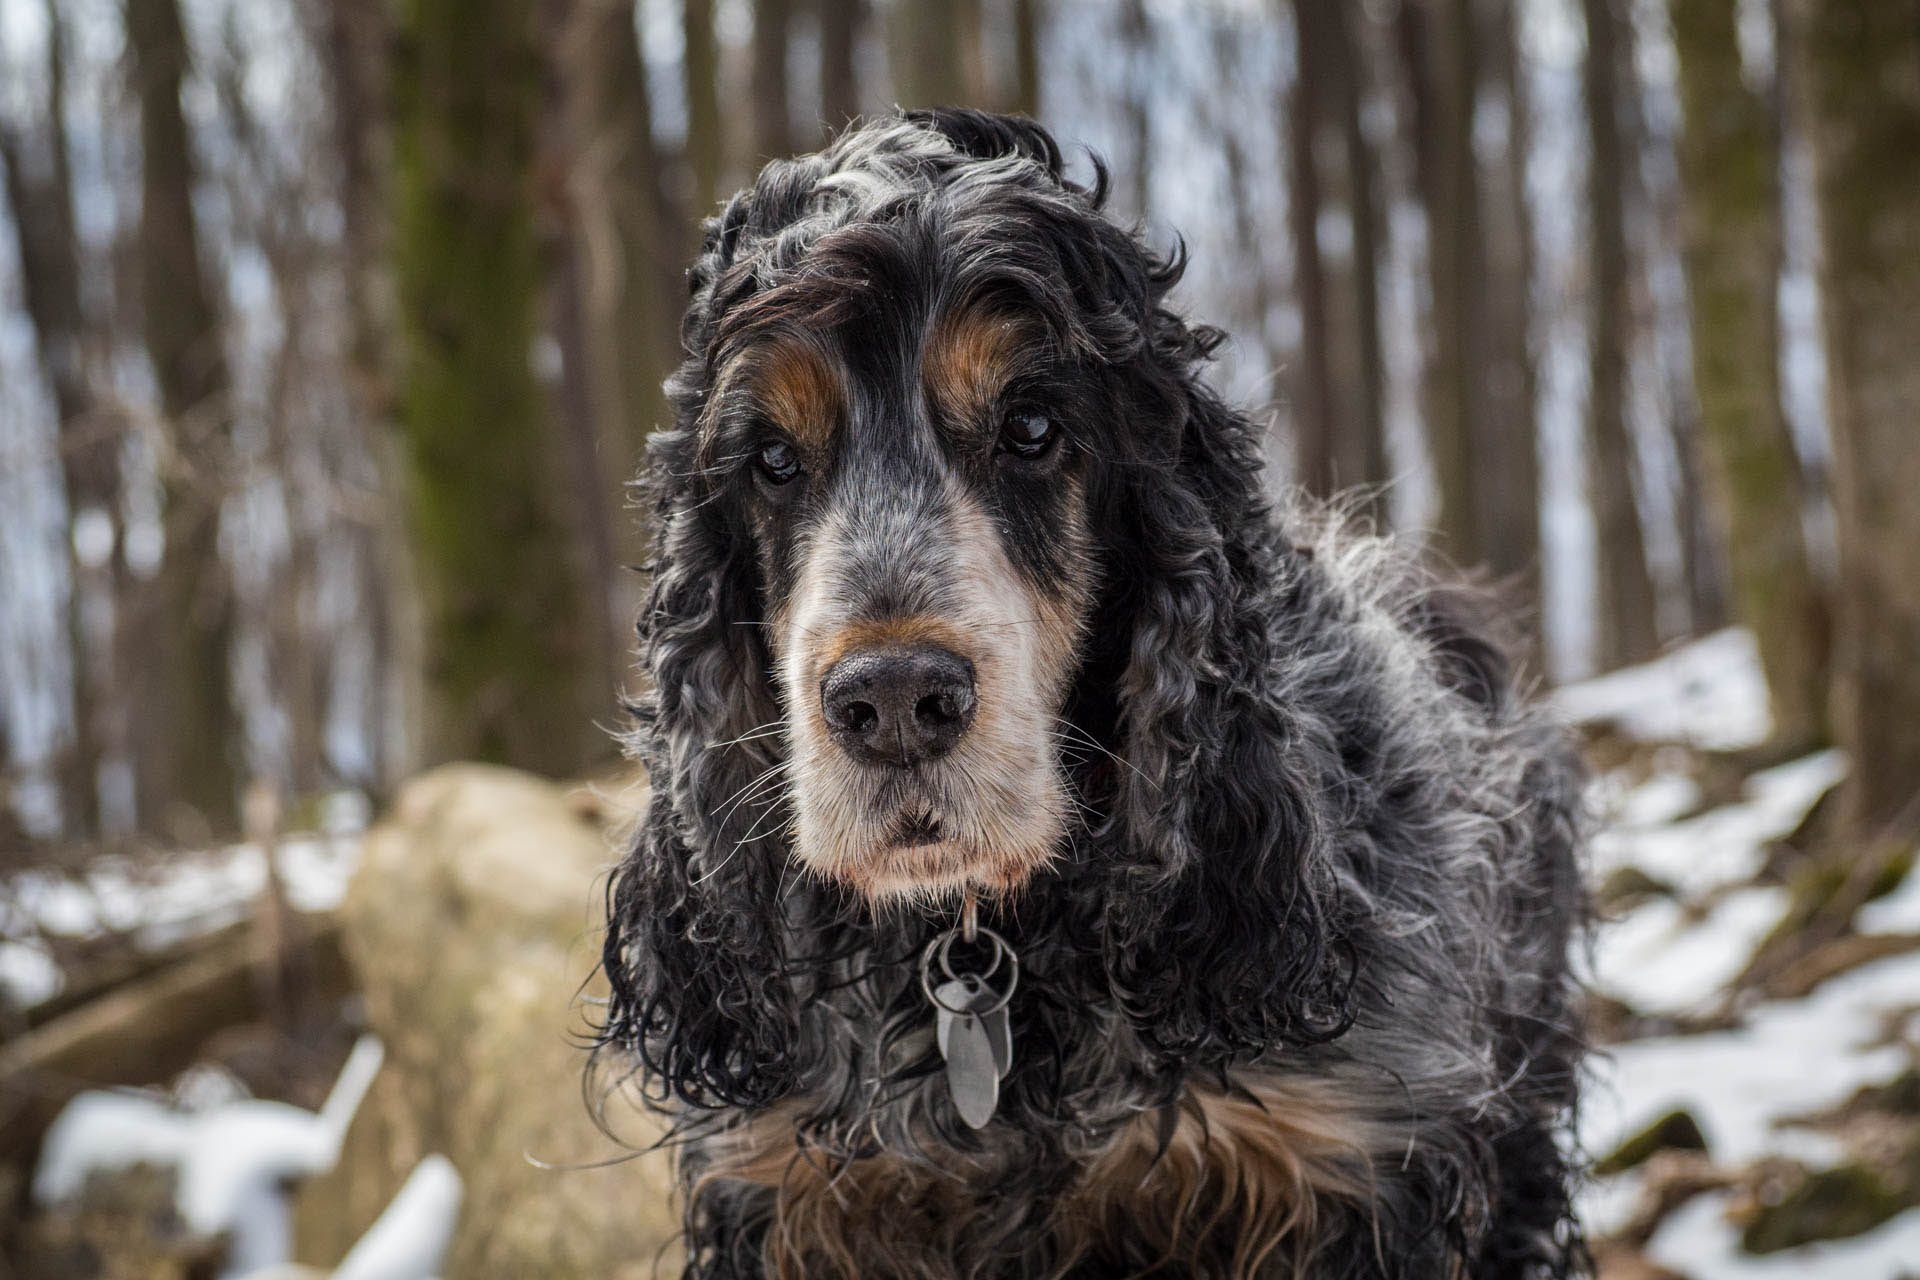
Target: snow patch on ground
[[1664, 956], [1709, 693], [1791, 1057], [1700, 1243], [1675, 955], [158, 904]]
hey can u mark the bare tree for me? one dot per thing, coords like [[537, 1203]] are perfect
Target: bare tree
[[616, 213], [925, 36], [700, 67], [353, 37], [1313, 413], [36, 169], [1338, 395], [1507, 495], [1438, 49], [772, 125], [841, 25], [189, 728], [1626, 630], [508, 637], [1864, 120], [1729, 166], [1028, 17], [1362, 447]]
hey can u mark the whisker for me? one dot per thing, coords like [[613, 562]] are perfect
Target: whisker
[[1067, 728], [766, 730]]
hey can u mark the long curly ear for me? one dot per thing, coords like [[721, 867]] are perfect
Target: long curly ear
[[1225, 941], [694, 953]]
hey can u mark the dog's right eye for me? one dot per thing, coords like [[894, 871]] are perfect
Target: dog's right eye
[[778, 462]]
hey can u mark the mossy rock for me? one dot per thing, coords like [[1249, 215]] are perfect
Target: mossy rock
[[1831, 1204], [1674, 1131]]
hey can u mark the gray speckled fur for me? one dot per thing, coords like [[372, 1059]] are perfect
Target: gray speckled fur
[[1340, 846]]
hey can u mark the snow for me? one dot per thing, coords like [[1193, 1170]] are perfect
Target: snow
[[158, 905], [28, 975], [1709, 693], [1790, 1057], [1676, 955], [1662, 957], [1700, 1243], [409, 1240], [233, 1161]]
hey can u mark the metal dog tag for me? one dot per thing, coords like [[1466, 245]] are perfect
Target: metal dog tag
[[972, 1077], [971, 1026], [971, 993]]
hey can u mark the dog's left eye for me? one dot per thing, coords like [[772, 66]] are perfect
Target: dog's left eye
[[1027, 433], [778, 462]]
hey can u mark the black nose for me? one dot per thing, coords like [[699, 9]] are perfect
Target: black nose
[[899, 704]]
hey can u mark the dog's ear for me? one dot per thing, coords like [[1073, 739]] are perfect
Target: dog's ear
[[1222, 938], [693, 952]]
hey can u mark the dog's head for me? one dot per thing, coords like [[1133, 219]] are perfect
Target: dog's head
[[958, 573], [910, 370]]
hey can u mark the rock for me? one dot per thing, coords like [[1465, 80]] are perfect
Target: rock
[[1674, 1131], [1829, 1204], [472, 924]]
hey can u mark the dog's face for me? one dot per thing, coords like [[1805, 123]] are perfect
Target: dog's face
[[914, 486]]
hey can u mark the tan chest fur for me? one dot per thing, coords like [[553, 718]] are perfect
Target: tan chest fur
[[1241, 1180]]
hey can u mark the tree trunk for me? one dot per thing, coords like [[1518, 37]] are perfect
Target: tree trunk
[[1626, 631], [1027, 20], [1729, 170], [1136, 42], [35, 170], [1313, 404], [1863, 81], [841, 22], [509, 637], [616, 212], [189, 728], [356, 37], [706, 150], [1362, 448], [973, 55], [772, 127], [1506, 448], [926, 38], [1440, 60]]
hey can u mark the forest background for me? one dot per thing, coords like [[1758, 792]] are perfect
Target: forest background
[[331, 332]]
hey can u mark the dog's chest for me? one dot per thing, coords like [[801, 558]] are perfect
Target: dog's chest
[[1243, 1179]]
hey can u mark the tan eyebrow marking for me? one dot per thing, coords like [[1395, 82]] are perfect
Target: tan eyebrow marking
[[968, 359], [799, 389]]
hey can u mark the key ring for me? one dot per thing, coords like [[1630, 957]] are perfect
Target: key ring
[[944, 945]]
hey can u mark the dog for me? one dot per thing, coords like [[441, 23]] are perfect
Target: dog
[[973, 632]]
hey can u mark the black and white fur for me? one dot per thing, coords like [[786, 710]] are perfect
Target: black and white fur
[[1278, 842]]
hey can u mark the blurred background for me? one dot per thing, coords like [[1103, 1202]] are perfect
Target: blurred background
[[331, 332]]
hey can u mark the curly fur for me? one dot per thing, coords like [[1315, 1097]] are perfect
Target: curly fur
[[1297, 997]]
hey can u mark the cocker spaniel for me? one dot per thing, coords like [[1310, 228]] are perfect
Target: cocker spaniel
[[1062, 859]]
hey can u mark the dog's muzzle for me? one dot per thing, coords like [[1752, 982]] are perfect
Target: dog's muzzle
[[898, 704]]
